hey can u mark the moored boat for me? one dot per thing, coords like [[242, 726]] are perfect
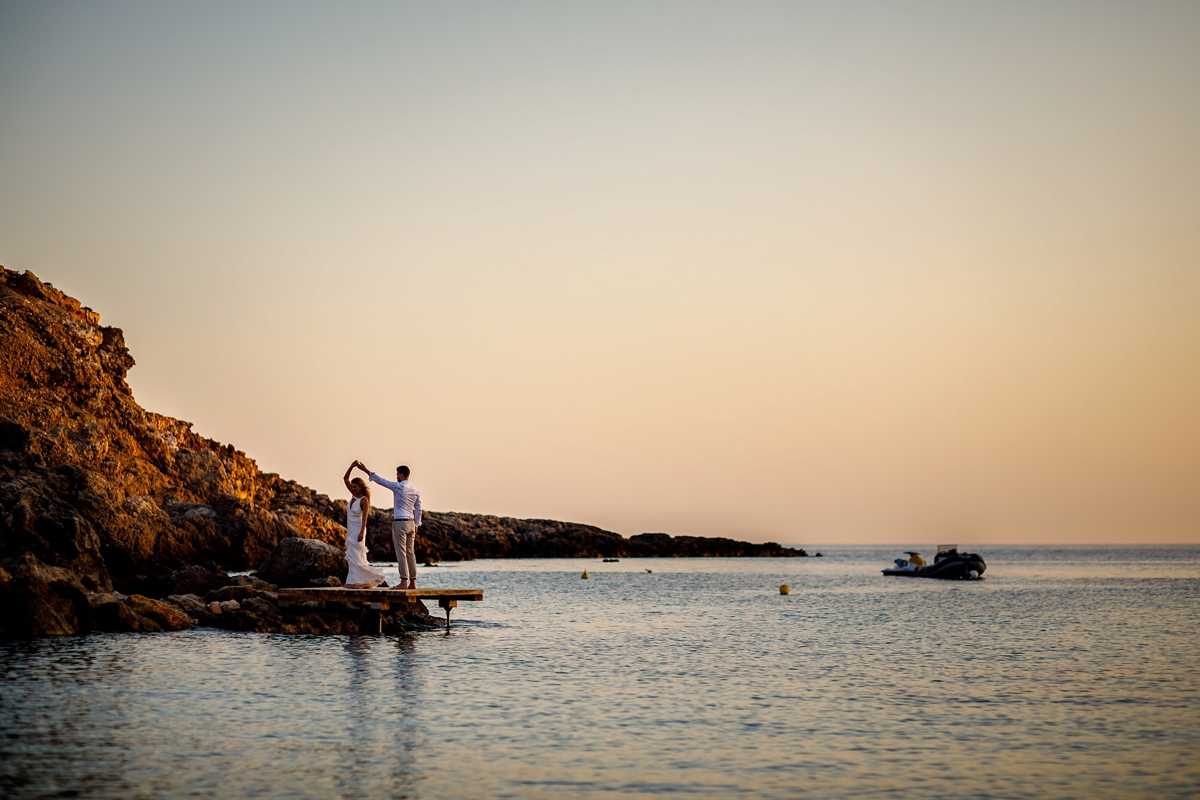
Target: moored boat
[[948, 564]]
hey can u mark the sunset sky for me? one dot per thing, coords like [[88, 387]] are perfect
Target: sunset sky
[[804, 272]]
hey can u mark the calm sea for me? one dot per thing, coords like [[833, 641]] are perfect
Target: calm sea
[[1068, 672]]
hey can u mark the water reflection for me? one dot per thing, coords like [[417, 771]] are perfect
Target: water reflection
[[208, 714], [1058, 675], [399, 709]]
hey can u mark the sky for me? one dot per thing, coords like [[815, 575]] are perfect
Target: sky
[[844, 272]]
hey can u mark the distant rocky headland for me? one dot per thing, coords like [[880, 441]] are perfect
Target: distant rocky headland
[[116, 518], [454, 536]]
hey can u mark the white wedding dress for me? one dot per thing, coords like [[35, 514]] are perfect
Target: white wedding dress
[[356, 552]]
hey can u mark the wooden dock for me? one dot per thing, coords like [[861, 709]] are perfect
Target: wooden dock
[[379, 599]]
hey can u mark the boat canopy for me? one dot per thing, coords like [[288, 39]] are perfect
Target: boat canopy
[[946, 548]]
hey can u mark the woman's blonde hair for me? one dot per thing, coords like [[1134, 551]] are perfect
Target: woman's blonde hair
[[362, 486]]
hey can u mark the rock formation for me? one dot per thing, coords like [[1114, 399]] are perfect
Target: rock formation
[[91, 482], [302, 562], [97, 495], [449, 536], [36, 599], [247, 603]]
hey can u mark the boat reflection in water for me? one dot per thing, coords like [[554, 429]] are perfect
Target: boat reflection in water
[[948, 564]]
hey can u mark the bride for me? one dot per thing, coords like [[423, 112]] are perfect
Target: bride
[[362, 575]]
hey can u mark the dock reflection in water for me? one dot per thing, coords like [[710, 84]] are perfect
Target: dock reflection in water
[[209, 714], [1067, 672]]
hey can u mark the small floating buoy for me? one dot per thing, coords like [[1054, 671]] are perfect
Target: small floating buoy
[[584, 576], [649, 572], [785, 589]]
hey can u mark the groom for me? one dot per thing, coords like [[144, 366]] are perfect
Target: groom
[[406, 518]]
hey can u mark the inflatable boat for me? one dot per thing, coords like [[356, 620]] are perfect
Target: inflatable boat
[[948, 564]]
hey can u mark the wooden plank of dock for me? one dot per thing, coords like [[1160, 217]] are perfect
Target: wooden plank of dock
[[339, 593], [379, 599]]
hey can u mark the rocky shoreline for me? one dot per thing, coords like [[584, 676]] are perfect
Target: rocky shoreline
[[105, 508], [451, 536]]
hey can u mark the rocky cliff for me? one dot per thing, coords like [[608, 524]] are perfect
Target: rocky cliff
[[91, 482], [100, 497]]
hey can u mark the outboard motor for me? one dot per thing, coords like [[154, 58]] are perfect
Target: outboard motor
[[974, 566]]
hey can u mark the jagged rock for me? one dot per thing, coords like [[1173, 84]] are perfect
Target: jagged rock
[[111, 611], [40, 600], [108, 612], [167, 617], [328, 580], [297, 562], [261, 615], [35, 520], [192, 606], [195, 579], [245, 608], [240, 592], [253, 582], [256, 614]]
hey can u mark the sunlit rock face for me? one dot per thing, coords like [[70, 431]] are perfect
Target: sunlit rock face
[[118, 496]]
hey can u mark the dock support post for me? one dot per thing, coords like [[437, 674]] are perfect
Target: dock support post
[[379, 608], [447, 603]]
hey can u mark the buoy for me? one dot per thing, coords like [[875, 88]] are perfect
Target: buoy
[[584, 575], [649, 572], [785, 589]]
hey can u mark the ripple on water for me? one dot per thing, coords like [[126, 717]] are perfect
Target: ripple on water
[[1061, 674]]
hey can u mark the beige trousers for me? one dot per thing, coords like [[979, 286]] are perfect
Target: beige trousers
[[404, 538]]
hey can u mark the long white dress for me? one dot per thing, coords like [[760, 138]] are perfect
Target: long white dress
[[356, 552]]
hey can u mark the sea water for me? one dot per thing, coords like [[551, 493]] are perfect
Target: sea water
[[1066, 672]]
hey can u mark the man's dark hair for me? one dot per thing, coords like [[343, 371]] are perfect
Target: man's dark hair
[[402, 470]]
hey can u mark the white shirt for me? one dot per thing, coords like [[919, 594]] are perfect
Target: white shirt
[[406, 500]]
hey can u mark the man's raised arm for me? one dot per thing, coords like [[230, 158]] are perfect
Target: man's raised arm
[[395, 487], [371, 475]]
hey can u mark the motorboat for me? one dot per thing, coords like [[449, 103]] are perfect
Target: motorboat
[[948, 564]]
